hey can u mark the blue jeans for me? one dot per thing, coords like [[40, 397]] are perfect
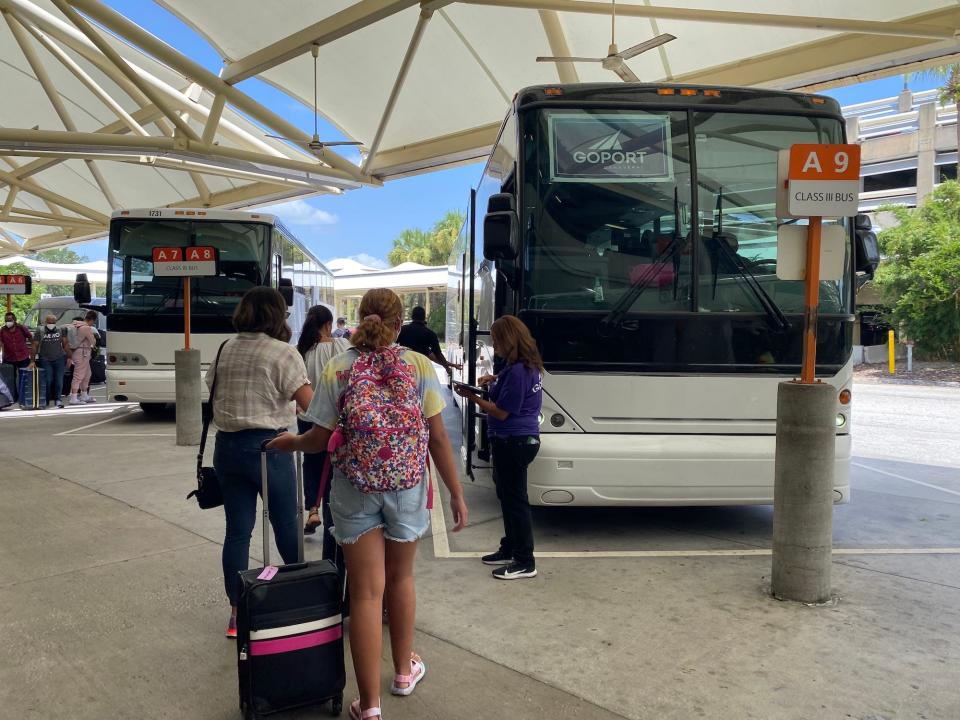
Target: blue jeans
[[236, 459], [55, 369]]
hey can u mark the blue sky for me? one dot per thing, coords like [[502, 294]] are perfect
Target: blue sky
[[363, 223]]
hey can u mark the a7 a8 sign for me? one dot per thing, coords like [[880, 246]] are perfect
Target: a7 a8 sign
[[192, 261]]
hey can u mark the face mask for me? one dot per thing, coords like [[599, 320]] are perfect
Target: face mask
[[51, 326], [9, 324]]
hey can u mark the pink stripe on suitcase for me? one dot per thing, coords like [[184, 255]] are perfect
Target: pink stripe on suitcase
[[296, 642]]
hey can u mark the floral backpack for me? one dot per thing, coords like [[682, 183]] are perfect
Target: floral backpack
[[380, 443]]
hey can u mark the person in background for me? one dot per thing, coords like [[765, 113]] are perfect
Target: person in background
[[317, 346], [260, 377], [513, 425], [378, 531], [341, 331], [15, 342], [50, 351], [82, 340], [420, 338]]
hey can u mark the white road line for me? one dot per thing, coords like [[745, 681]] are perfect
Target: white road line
[[441, 545], [903, 477], [115, 435], [119, 416], [710, 553]]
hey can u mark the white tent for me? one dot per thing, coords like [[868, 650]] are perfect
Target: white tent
[[424, 84], [90, 124], [100, 114]]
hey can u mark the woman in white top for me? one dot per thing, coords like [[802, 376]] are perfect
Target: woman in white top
[[317, 346]]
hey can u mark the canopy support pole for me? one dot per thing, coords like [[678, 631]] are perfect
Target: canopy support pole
[[558, 45], [117, 23], [422, 21], [60, 200], [91, 84], [850, 25], [43, 77], [118, 62]]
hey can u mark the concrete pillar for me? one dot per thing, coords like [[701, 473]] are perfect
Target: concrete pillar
[[187, 377], [803, 492], [926, 150]]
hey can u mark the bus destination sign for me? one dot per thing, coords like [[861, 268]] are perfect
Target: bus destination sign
[[618, 148], [193, 261], [823, 180], [16, 285]]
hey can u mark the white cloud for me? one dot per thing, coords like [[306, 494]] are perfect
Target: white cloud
[[301, 213], [364, 259]]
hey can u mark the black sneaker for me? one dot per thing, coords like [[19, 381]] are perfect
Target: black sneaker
[[498, 558], [516, 571]]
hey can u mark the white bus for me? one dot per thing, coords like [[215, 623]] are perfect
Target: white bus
[[145, 313], [633, 229]]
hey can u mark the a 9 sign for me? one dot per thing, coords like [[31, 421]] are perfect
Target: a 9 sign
[[824, 162]]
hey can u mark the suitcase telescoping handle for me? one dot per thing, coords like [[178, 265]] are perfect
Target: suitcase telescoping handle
[[265, 493]]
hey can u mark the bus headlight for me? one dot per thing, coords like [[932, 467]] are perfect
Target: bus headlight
[[841, 420], [126, 359]]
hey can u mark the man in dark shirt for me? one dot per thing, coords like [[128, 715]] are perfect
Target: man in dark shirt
[[419, 338]]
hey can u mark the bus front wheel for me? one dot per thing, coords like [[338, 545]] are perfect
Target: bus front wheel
[[153, 409]]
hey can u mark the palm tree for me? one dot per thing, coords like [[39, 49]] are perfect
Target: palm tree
[[949, 78]]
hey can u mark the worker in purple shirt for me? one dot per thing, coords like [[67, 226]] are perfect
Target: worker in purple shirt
[[513, 424]]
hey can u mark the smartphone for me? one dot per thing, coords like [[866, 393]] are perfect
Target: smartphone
[[474, 388]]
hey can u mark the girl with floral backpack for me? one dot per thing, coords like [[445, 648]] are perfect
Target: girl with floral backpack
[[377, 410]]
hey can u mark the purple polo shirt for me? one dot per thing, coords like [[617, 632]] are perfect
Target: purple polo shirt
[[517, 390]]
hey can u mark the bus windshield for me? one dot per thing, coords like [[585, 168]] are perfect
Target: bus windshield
[[661, 211], [244, 264]]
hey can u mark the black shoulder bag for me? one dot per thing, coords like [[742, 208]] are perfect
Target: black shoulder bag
[[208, 485]]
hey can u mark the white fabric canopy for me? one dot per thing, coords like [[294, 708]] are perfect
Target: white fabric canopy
[[79, 138], [100, 114], [468, 57]]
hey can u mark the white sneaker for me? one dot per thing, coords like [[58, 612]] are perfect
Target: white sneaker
[[74, 400], [88, 398]]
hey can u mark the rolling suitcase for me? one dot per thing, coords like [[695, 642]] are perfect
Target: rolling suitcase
[[32, 388], [289, 628], [8, 374], [6, 395]]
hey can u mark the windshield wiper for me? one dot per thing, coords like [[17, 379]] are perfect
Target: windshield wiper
[[614, 318], [721, 247]]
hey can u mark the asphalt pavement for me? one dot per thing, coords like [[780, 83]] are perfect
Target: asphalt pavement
[[111, 600]]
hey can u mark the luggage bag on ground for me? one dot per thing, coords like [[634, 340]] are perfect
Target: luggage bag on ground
[[289, 629], [32, 388], [6, 395], [8, 375]]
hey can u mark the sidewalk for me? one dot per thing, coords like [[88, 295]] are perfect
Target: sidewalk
[[111, 604], [945, 374]]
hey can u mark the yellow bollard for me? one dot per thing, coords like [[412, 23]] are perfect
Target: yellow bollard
[[890, 353]]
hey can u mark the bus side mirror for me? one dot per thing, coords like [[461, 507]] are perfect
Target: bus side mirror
[[81, 289], [499, 235], [500, 232], [286, 289], [866, 247]]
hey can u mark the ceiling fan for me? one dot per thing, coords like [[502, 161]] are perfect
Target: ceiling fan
[[615, 59], [315, 145]]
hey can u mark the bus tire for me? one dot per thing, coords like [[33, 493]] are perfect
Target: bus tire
[[153, 409]]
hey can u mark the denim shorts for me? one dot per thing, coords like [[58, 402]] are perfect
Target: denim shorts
[[402, 514]]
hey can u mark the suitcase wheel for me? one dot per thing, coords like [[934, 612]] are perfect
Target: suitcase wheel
[[336, 706]]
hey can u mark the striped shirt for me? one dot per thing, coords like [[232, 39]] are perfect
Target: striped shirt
[[258, 377]]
